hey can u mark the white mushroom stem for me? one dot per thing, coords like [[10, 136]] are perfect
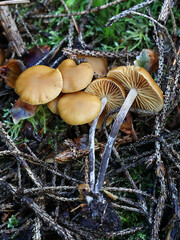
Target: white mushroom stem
[[112, 137], [91, 147]]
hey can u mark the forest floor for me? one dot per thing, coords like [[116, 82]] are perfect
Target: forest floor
[[44, 162]]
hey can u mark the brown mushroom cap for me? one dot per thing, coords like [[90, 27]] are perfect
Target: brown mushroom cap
[[99, 64], [52, 105], [112, 90], [75, 77], [109, 88], [149, 95], [39, 84], [79, 108]]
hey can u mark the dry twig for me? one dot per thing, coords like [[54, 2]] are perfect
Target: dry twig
[[5, 3]]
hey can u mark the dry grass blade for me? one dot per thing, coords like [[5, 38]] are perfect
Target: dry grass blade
[[128, 12], [39, 211], [4, 3], [11, 31], [6, 138], [99, 53], [96, 9]]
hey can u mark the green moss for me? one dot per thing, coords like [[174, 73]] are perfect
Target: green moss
[[13, 222], [39, 122], [132, 32]]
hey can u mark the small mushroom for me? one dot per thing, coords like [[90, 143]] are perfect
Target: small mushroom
[[99, 64], [52, 105], [143, 93], [109, 89], [139, 84], [39, 84], [112, 96], [79, 108], [75, 77], [82, 188]]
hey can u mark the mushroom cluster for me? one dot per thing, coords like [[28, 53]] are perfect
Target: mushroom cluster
[[70, 92], [61, 89]]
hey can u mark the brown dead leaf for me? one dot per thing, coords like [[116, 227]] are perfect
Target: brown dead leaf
[[2, 56], [82, 141], [22, 110], [11, 71], [128, 128], [34, 55], [148, 59]]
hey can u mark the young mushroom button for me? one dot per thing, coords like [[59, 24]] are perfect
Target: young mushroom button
[[79, 108], [75, 77], [39, 84], [143, 93]]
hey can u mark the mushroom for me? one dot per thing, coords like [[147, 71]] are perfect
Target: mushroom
[[79, 108], [52, 105], [142, 88], [75, 77], [83, 188], [99, 64], [110, 90], [112, 96], [39, 84], [144, 93]]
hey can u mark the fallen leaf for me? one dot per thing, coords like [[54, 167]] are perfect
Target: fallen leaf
[[128, 128], [11, 71], [174, 122], [34, 55], [147, 59], [2, 56], [82, 141], [22, 110]]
